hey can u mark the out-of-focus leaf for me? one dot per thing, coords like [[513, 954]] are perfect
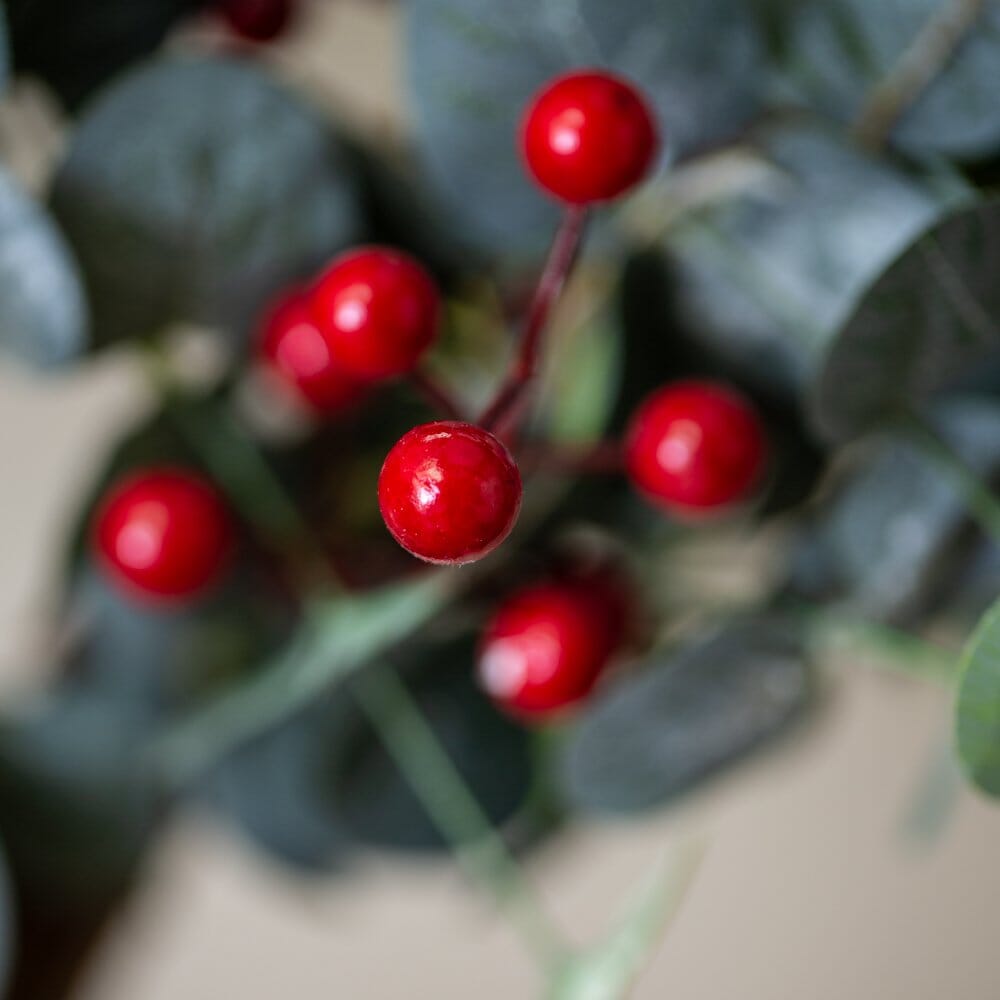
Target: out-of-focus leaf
[[4, 50], [923, 327], [890, 540], [473, 65], [768, 278], [277, 788], [43, 316], [7, 931], [841, 49], [193, 190], [977, 729], [491, 753], [75, 47], [648, 737]]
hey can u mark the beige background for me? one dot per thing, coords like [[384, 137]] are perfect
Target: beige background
[[810, 887]]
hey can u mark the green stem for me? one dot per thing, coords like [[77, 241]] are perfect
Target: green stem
[[478, 847], [980, 501]]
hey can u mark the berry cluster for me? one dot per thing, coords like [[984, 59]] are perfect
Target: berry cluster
[[450, 491]]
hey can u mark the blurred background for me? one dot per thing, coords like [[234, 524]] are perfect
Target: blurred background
[[847, 860]]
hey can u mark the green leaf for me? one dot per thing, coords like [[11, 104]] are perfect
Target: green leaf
[[842, 49], [889, 539], [193, 190], [339, 636], [75, 47], [927, 325], [43, 317], [606, 972], [766, 279], [491, 753], [7, 931], [648, 737], [473, 65], [977, 723], [4, 50]]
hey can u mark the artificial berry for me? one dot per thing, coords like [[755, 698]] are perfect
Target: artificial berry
[[258, 20], [588, 136], [378, 310], [292, 346], [695, 446], [449, 492], [548, 644], [163, 533]]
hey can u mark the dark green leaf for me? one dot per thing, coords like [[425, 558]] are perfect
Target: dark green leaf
[[842, 49], [473, 65], [977, 730], [890, 539], [922, 328], [4, 50], [766, 279], [193, 190], [490, 752], [43, 318], [6, 925], [75, 47], [651, 736], [277, 788]]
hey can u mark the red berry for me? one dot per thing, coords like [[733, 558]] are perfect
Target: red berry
[[694, 446], [292, 346], [588, 136], [449, 492], [547, 645], [378, 310], [163, 533], [258, 20]]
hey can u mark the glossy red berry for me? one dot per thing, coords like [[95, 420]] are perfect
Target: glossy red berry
[[547, 645], [588, 136], [258, 20], [378, 310], [292, 346], [449, 492], [695, 446], [163, 533]]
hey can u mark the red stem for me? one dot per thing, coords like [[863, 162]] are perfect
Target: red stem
[[602, 458], [436, 395], [503, 411]]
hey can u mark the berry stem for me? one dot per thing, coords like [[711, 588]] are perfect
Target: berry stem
[[602, 458], [478, 847], [503, 411], [980, 501], [436, 395]]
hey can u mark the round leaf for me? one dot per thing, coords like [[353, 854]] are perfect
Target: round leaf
[[43, 318], [844, 48], [766, 279], [193, 190], [651, 736], [473, 64], [977, 731], [927, 323]]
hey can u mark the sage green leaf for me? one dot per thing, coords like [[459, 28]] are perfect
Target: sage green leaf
[[927, 325], [194, 190], [43, 315], [977, 724]]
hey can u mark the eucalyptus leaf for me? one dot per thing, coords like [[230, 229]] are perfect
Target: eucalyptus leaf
[[491, 753], [473, 64], [977, 725], [277, 788], [927, 324], [890, 539], [653, 735], [842, 49], [75, 47], [43, 316], [767, 278], [194, 190]]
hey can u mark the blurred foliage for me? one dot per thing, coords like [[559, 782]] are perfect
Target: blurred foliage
[[824, 239]]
